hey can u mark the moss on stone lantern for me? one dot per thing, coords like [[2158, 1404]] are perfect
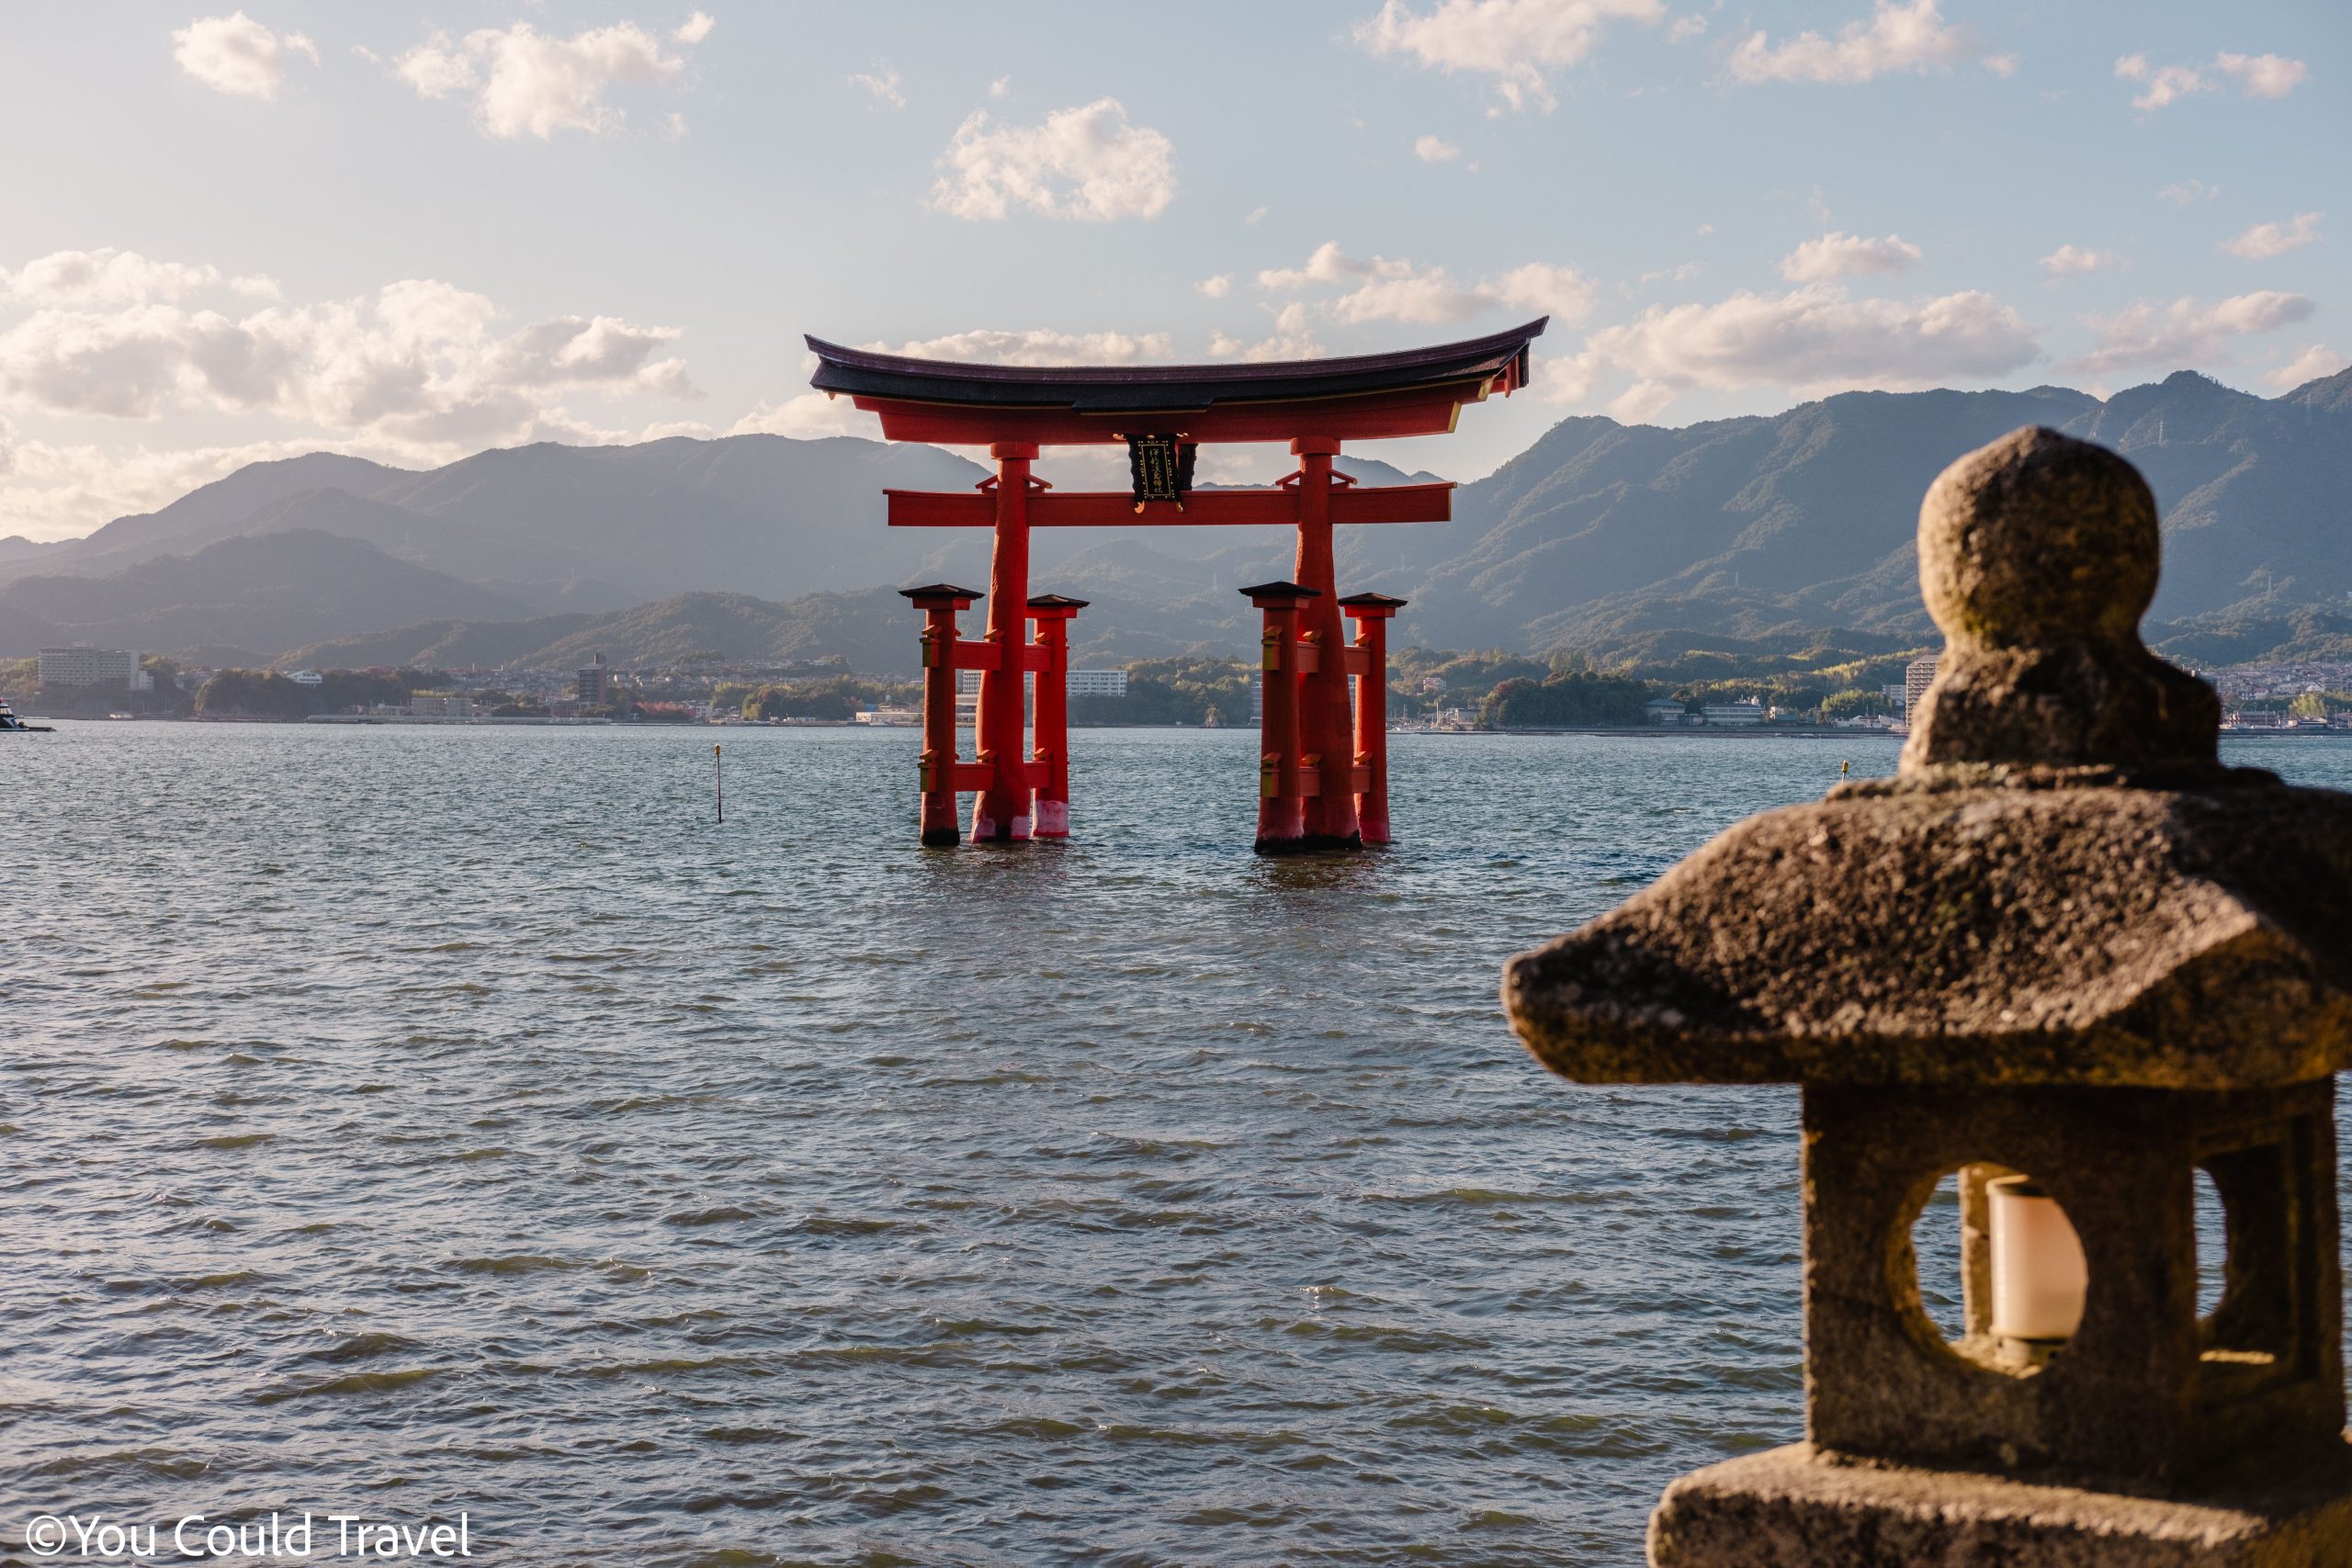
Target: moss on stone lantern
[[2068, 956]]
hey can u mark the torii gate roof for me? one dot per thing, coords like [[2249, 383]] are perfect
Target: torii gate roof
[[1416, 391]]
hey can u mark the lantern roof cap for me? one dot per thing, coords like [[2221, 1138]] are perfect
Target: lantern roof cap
[[2061, 886], [942, 590]]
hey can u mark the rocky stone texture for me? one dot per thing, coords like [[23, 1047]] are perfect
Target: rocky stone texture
[[2062, 942], [1990, 935], [2038, 557], [1799, 1507], [2062, 886]]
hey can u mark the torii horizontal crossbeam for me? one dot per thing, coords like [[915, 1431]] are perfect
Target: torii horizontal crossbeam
[[1201, 508]]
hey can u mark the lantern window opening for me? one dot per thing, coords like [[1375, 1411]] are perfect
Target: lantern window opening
[[2018, 1278]]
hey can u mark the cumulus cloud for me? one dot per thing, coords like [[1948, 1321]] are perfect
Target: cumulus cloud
[[1087, 163], [1848, 255], [2189, 191], [883, 82], [1516, 42], [1215, 287], [236, 54], [1292, 338], [2266, 240], [1810, 339], [808, 417], [2074, 260], [1686, 28], [1896, 38], [2256, 75], [415, 362], [2263, 75], [110, 276], [1381, 289], [527, 83], [2311, 365], [2184, 332], [1560, 292], [60, 491], [1435, 150], [1036, 347]]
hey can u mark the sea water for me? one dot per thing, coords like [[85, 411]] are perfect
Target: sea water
[[411, 1122]]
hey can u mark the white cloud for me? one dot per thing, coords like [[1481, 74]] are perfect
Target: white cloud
[[414, 363], [49, 491], [1515, 42], [1216, 288], [808, 417], [1087, 163], [2266, 240], [109, 277], [1290, 339], [2177, 335], [238, 55], [694, 29], [1435, 150], [2002, 66], [530, 83], [1562, 293], [1381, 289], [1001, 86], [1815, 338], [1896, 38], [1254, 216], [2187, 191], [2073, 261], [1681, 273], [884, 85], [1038, 346], [2257, 76], [2263, 75], [1848, 255], [2313, 363], [1685, 28]]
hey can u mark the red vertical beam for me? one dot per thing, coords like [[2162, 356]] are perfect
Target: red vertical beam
[[1370, 613], [939, 603], [1053, 614], [1001, 811], [1281, 828], [1323, 703]]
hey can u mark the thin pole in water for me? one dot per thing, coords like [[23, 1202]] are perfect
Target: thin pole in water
[[718, 782]]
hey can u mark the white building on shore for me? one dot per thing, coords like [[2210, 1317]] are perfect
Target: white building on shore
[[86, 666]]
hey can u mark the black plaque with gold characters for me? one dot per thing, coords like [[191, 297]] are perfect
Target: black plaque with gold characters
[[1161, 467]]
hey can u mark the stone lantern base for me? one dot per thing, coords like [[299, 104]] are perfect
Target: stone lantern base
[[1797, 1507]]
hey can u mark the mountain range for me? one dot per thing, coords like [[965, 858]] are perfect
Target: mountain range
[[1750, 536]]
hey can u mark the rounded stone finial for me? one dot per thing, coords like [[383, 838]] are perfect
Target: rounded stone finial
[[2038, 538], [2037, 555]]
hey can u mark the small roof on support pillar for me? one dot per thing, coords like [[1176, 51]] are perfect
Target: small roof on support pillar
[[1414, 391]]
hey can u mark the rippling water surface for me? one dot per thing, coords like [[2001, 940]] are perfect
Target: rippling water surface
[[406, 1121]]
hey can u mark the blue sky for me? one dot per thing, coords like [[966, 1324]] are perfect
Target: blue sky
[[413, 233]]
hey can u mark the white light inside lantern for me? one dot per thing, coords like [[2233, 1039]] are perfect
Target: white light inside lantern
[[2038, 1274]]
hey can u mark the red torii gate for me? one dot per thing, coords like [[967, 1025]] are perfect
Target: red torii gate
[[1322, 781]]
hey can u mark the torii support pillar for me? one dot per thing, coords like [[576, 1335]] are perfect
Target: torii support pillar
[[1053, 613], [1000, 809], [1282, 660], [1330, 812], [940, 602], [1370, 613]]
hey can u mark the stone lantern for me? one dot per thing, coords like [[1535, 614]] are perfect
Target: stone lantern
[[2069, 958]]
